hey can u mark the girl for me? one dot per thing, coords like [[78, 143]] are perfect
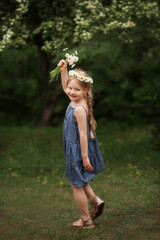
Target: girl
[[83, 157]]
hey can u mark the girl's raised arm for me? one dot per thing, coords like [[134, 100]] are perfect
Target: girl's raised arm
[[64, 73]]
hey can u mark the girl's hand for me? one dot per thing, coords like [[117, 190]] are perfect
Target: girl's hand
[[62, 64], [87, 165]]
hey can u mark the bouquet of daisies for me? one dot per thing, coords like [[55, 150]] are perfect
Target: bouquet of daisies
[[71, 59]]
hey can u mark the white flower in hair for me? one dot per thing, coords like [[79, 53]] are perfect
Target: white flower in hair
[[72, 73], [75, 74], [80, 77], [90, 80], [87, 79]]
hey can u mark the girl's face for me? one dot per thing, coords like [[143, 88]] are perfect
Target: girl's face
[[74, 91]]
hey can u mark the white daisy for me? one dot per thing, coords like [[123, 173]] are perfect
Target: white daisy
[[75, 74], [71, 73], [91, 80], [87, 79], [70, 58], [66, 55], [82, 78], [70, 62], [75, 59], [78, 77]]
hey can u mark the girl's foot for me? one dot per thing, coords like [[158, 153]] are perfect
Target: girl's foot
[[78, 223], [97, 207], [84, 223]]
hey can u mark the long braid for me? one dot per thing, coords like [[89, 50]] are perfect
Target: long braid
[[92, 122]]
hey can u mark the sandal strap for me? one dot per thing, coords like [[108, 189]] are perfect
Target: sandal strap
[[87, 222], [95, 201]]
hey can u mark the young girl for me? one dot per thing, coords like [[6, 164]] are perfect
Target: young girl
[[83, 157]]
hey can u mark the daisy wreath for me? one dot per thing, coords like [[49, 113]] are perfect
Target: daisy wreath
[[73, 73]]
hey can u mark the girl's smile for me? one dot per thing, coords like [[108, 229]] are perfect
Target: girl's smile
[[74, 91]]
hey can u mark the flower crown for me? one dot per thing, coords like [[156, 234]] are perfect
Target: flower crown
[[82, 78]]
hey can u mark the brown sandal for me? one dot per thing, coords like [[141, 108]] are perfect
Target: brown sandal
[[86, 223], [98, 205]]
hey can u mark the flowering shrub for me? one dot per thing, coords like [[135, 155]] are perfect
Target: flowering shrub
[[79, 21]]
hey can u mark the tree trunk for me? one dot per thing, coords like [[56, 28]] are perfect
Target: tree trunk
[[48, 110], [50, 106], [45, 61]]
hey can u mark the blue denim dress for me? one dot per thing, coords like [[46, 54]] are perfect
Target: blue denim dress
[[75, 171]]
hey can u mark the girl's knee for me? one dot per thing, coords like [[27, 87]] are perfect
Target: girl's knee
[[75, 187]]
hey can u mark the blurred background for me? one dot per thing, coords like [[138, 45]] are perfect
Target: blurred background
[[118, 44]]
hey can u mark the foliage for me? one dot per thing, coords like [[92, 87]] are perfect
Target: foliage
[[21, 88], [52, 25], [148, 89], [118, 18], [123, 34], [119, 71], [43, 23]]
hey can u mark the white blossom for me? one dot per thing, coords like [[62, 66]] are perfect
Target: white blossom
[[71, 73], [66, 55], [73, 65], [80, 77], [65, 49]]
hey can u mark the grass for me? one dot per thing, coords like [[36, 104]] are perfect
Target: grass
[[37, 201]]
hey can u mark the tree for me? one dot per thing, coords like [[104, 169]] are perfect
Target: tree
[[51, 25], [46, 24]]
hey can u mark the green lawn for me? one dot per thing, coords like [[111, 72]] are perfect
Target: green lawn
[[36, 199]]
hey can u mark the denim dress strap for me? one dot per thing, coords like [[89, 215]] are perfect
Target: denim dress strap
[[83, 108]]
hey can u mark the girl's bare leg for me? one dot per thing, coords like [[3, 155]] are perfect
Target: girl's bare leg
[[89, 192], [96, 206], [82, 202]]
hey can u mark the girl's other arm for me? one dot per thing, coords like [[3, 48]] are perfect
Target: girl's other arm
[[64, 73], [80, 115]]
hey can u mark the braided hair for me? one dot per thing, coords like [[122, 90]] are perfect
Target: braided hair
[[92, 122]]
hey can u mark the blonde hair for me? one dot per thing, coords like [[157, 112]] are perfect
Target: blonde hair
[[89, 98]]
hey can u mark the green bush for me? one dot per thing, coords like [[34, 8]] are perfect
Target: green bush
[[21, 87]]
